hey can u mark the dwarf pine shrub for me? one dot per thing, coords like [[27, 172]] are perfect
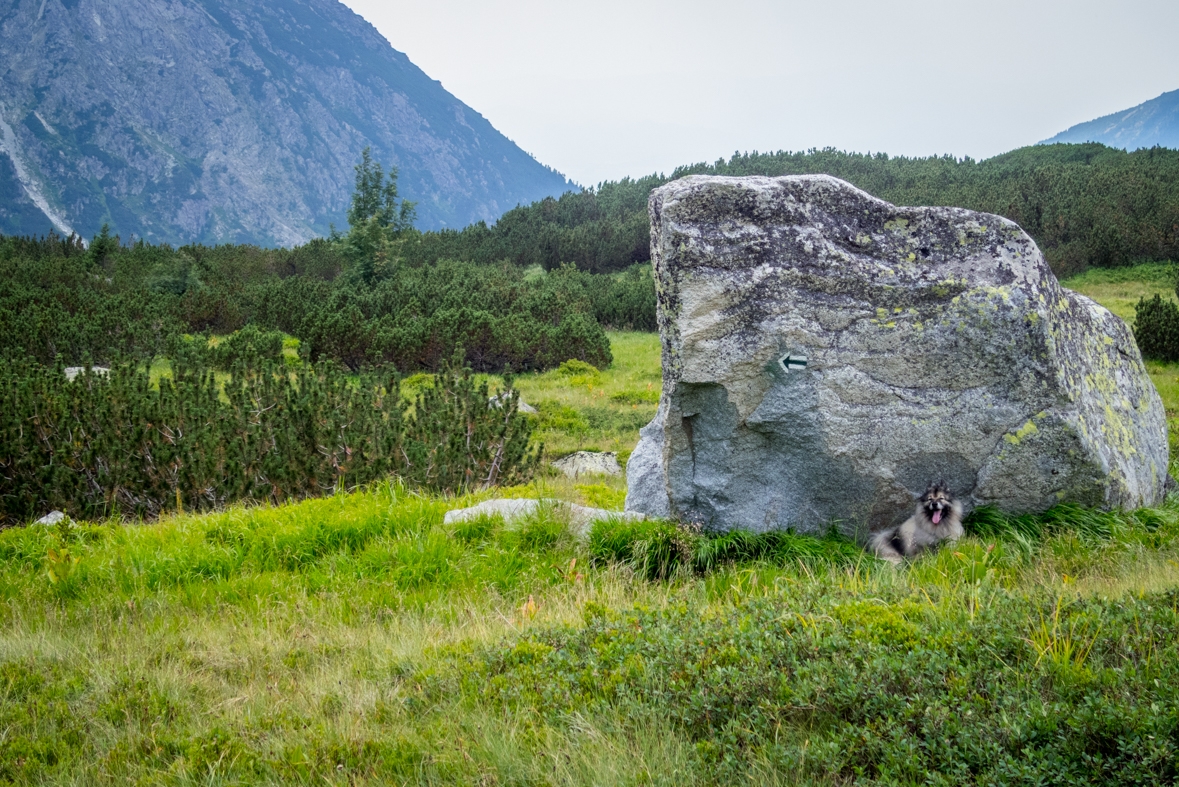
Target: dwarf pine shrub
[[250, 346], [1156, 328], [113, 444]]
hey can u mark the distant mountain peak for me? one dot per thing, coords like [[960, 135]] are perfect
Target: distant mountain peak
[[231, 121], [1154, 122]]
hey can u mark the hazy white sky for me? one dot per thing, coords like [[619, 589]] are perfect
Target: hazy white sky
[[614, 88]]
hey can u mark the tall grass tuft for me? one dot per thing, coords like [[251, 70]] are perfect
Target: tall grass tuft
[[780, 547], [658, 548], [1087, 523]]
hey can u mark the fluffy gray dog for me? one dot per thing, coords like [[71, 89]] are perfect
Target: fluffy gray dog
[[938, 518]]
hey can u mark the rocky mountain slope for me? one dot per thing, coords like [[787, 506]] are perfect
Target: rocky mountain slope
[[1154, 122], [230, 121]]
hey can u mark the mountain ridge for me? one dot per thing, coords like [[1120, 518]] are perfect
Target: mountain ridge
[[1153, 122], [231, 121]]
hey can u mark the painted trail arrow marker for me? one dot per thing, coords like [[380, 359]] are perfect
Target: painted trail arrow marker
[[792, 363]]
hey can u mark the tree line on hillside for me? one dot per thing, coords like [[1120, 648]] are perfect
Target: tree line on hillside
[[1085, 205], [58, 298]]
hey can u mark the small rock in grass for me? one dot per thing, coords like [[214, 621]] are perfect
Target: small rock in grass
[[589, 463], [508, 509], [580, 517], [52, 518], [521, 405]]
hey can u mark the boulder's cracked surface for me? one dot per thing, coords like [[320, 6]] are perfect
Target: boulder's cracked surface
[[826, 355]]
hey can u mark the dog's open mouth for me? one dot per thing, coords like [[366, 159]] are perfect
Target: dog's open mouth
[[935, 515]]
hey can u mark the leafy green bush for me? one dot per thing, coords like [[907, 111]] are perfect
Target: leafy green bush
[[579, 369], [1156, 329], [648, 396], [602, 496]]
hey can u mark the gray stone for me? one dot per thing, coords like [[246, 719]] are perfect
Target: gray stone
[[581, 518], [521, 405], [581, 463], [52, 518], [646, 488], [826, 355], [73, 371]]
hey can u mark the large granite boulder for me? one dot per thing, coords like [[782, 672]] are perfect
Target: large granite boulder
[[826, 355]]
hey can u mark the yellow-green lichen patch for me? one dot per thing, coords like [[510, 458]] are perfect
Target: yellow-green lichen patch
[[1024, 431]]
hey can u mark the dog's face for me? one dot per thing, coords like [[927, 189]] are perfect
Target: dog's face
[[937, 504]]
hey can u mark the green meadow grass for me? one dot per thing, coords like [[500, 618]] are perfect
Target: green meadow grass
[[600, 411], [1120, 289], [357, 639]]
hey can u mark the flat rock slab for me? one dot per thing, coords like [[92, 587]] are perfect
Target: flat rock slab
[[827, 354], [521, 405], [580, 517], [581, 463], [73, 371]]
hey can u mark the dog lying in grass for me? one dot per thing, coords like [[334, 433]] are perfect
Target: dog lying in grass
[[938, 518]]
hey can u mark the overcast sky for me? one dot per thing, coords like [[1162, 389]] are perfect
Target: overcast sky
[[613, 88]]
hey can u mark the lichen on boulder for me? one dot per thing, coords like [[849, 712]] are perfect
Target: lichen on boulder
[[827, 354]]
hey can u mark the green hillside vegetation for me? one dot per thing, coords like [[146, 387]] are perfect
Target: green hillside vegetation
[[115, 300], [350, 299], [1085, 205], [356, 639]]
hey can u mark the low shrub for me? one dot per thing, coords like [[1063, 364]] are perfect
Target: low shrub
[[602, 496], [114, 444], [576, 368], [249, 346], [1156, 329], [648, 396]]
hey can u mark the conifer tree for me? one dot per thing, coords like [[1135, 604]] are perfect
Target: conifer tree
[[103, 245], [376, 220]]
